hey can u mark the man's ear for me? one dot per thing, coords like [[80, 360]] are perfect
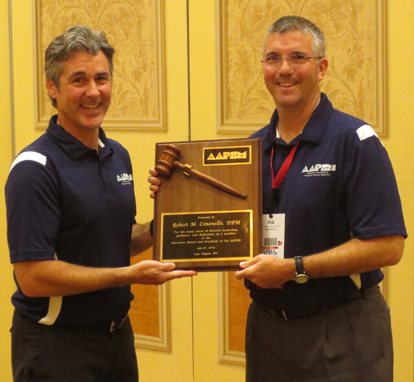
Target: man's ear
[[51, 88], [323, 66]]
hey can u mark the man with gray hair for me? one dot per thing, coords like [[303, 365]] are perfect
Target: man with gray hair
[[333, 218], [71, 230]]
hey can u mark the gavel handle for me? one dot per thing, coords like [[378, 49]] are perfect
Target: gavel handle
[[188, 171]]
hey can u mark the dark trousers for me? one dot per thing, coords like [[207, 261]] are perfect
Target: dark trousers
[[52, 354], [348, 343]]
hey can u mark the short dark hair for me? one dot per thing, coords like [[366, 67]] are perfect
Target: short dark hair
[[74, 39]]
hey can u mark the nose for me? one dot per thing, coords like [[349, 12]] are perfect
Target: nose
[[93, 89], [285, 66]]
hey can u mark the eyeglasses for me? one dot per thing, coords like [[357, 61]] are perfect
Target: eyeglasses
[[294, 60]]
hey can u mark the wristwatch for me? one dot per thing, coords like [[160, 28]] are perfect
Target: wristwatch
[[301, 277]]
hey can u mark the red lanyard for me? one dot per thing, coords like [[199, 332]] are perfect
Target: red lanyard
[[278, 179]]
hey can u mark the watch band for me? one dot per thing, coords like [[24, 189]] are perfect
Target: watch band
[[301, 277], [299, 264]]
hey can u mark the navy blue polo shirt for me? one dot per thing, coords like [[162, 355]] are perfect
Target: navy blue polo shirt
[[340, 185], [75, 204]]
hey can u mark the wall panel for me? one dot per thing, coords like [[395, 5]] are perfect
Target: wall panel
[[136, 29], [356, 40]]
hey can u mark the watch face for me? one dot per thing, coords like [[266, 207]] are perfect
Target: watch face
[[301, 279]]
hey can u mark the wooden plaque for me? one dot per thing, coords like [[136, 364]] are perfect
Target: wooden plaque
[[202, 227]]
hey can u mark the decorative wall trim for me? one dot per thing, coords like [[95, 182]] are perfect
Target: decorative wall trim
[[226, 355], [356, 50], [139, 85], [163, 341], [11, 79]]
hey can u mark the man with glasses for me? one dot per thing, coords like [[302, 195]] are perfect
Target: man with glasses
[[333, 218], [71, 230], [330, 198]]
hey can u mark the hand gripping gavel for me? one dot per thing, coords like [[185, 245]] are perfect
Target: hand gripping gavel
[[169, 160]]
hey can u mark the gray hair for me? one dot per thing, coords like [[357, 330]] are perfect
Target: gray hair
[[75, 39], [297, 23]]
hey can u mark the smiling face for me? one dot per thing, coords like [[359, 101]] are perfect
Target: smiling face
[[84, 94], [298, 86]]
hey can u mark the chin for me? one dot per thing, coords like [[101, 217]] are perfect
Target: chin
[[285, 103], [93, 123]]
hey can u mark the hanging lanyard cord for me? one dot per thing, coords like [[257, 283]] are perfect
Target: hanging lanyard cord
[[278, 179]]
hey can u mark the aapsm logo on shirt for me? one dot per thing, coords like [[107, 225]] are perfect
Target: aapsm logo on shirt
[[125, 179], [319, 170]]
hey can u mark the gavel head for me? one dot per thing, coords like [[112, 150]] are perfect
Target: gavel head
[[165, 164]]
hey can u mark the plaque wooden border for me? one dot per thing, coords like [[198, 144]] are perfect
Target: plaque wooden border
[[199, 226]]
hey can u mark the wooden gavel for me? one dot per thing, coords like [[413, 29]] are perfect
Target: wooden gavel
[[169, 160]]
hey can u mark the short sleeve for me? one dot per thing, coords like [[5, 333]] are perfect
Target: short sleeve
[[33, 212], [373, 201]]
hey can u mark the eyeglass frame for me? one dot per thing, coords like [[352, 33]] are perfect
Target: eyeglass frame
[[279, 60]]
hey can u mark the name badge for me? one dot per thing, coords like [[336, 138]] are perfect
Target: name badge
[[274, 235]]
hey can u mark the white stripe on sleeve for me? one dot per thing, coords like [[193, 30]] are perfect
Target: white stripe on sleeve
[[29, 155]]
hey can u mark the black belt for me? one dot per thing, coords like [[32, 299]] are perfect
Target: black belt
[[291, 315], [102, 327], [105, 327]]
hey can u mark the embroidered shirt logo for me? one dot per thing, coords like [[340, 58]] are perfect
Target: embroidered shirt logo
[[125, 179], [319, 170]]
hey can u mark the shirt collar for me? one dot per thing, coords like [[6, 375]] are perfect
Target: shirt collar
[[313, 131], [73, 147]]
